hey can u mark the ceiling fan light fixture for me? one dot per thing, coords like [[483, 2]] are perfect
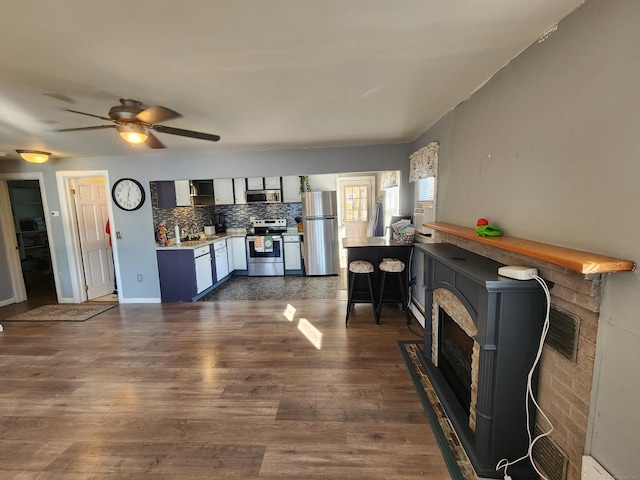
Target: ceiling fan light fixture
[[34, 156], [133, 133]]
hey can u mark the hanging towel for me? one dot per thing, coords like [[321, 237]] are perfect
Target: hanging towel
[[268, 244], [376, 227], [258, 244]]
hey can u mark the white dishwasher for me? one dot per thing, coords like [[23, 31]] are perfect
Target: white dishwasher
[[202, 259]]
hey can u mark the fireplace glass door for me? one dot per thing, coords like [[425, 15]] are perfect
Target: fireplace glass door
[[454, 358]]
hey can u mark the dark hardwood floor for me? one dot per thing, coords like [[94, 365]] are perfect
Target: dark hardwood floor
[[247, 389]]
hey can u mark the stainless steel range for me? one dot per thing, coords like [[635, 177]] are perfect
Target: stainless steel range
[[265, 253]]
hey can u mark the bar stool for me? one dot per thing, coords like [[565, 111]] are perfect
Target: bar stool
[[395, 266], [361, 267]]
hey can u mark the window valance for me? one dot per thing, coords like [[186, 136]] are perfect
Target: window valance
[[424, 162]]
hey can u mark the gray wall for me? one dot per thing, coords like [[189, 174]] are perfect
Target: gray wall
[[136, 250], [549, 150]]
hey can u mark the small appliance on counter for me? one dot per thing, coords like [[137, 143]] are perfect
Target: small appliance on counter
[[265, 253], [209, 230], [220, 222]]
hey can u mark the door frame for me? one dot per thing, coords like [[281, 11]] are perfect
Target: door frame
[[70, 228], [367, 177], [9, 235]]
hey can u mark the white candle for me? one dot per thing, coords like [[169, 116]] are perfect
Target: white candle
[[177, 232]]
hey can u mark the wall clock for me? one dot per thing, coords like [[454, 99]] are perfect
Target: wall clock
[[128, 194]]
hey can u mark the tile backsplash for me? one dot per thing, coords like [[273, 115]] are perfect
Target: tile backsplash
[[237, 216]]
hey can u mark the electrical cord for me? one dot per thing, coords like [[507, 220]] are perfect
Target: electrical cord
[[504, 463]]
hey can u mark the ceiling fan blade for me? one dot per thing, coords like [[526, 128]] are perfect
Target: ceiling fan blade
[[98, 127], [89, 115], [186, 133], [153, 142], [157, 114]]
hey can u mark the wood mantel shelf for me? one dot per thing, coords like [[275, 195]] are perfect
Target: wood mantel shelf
[[576, 260]]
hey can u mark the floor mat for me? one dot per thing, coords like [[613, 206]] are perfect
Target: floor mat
[[456, 459], [60, 313]]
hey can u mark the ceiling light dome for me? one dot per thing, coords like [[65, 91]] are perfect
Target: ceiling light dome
[[133, 133], [34, 156]]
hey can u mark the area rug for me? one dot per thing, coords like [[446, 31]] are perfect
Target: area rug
[[455, 457], [63, 312]]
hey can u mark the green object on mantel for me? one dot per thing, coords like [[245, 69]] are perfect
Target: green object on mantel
[[488, 231]]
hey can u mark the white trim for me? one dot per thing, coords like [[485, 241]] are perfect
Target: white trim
[[16, 276], [67, 300], [417, 313], [9, 240], [8, 301], [139, 300]]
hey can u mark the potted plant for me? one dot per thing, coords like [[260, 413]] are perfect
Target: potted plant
[[305, 186]]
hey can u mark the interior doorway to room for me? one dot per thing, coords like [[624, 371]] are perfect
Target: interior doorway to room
[[32, 240], [90, 217], [355, 205]]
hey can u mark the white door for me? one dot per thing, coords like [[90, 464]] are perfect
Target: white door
[[355, 204], [91, 209]]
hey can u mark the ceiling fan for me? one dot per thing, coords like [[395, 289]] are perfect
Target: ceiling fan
[[134, 123]]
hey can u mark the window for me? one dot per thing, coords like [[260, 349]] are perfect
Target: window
[[356, 204], [426, 190]]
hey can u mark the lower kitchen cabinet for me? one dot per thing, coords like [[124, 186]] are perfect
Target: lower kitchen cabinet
[[177, 272], [237, 253], [292, 253]]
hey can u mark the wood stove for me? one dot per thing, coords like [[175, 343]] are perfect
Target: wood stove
[[480, 343]]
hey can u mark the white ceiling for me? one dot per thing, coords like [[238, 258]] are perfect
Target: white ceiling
[[262, 74]]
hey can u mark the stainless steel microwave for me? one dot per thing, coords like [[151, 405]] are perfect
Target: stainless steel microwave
[[264, 196]]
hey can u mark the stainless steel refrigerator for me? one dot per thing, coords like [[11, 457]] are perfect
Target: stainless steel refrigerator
[[320, 226]]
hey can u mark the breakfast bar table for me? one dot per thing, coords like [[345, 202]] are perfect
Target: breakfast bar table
[[374, 250]]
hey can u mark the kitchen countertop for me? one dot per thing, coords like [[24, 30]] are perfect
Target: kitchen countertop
[[207, 240], [363, 242]]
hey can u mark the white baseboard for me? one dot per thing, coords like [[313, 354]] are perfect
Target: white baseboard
[[592, 470], [8, 301], [139, 300], [417, 313]]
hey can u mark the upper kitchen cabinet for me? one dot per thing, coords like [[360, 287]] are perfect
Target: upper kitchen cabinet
[[183, 193], [272, 183], [255, 183], [263, 183], [291, 189], [202, 192], [173, 194], [223, 191], [240, 190]]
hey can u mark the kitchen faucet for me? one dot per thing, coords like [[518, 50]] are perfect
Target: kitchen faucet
[[196, 230]]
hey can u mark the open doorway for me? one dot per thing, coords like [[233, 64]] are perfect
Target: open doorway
[[355, 206], [32, 240]]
